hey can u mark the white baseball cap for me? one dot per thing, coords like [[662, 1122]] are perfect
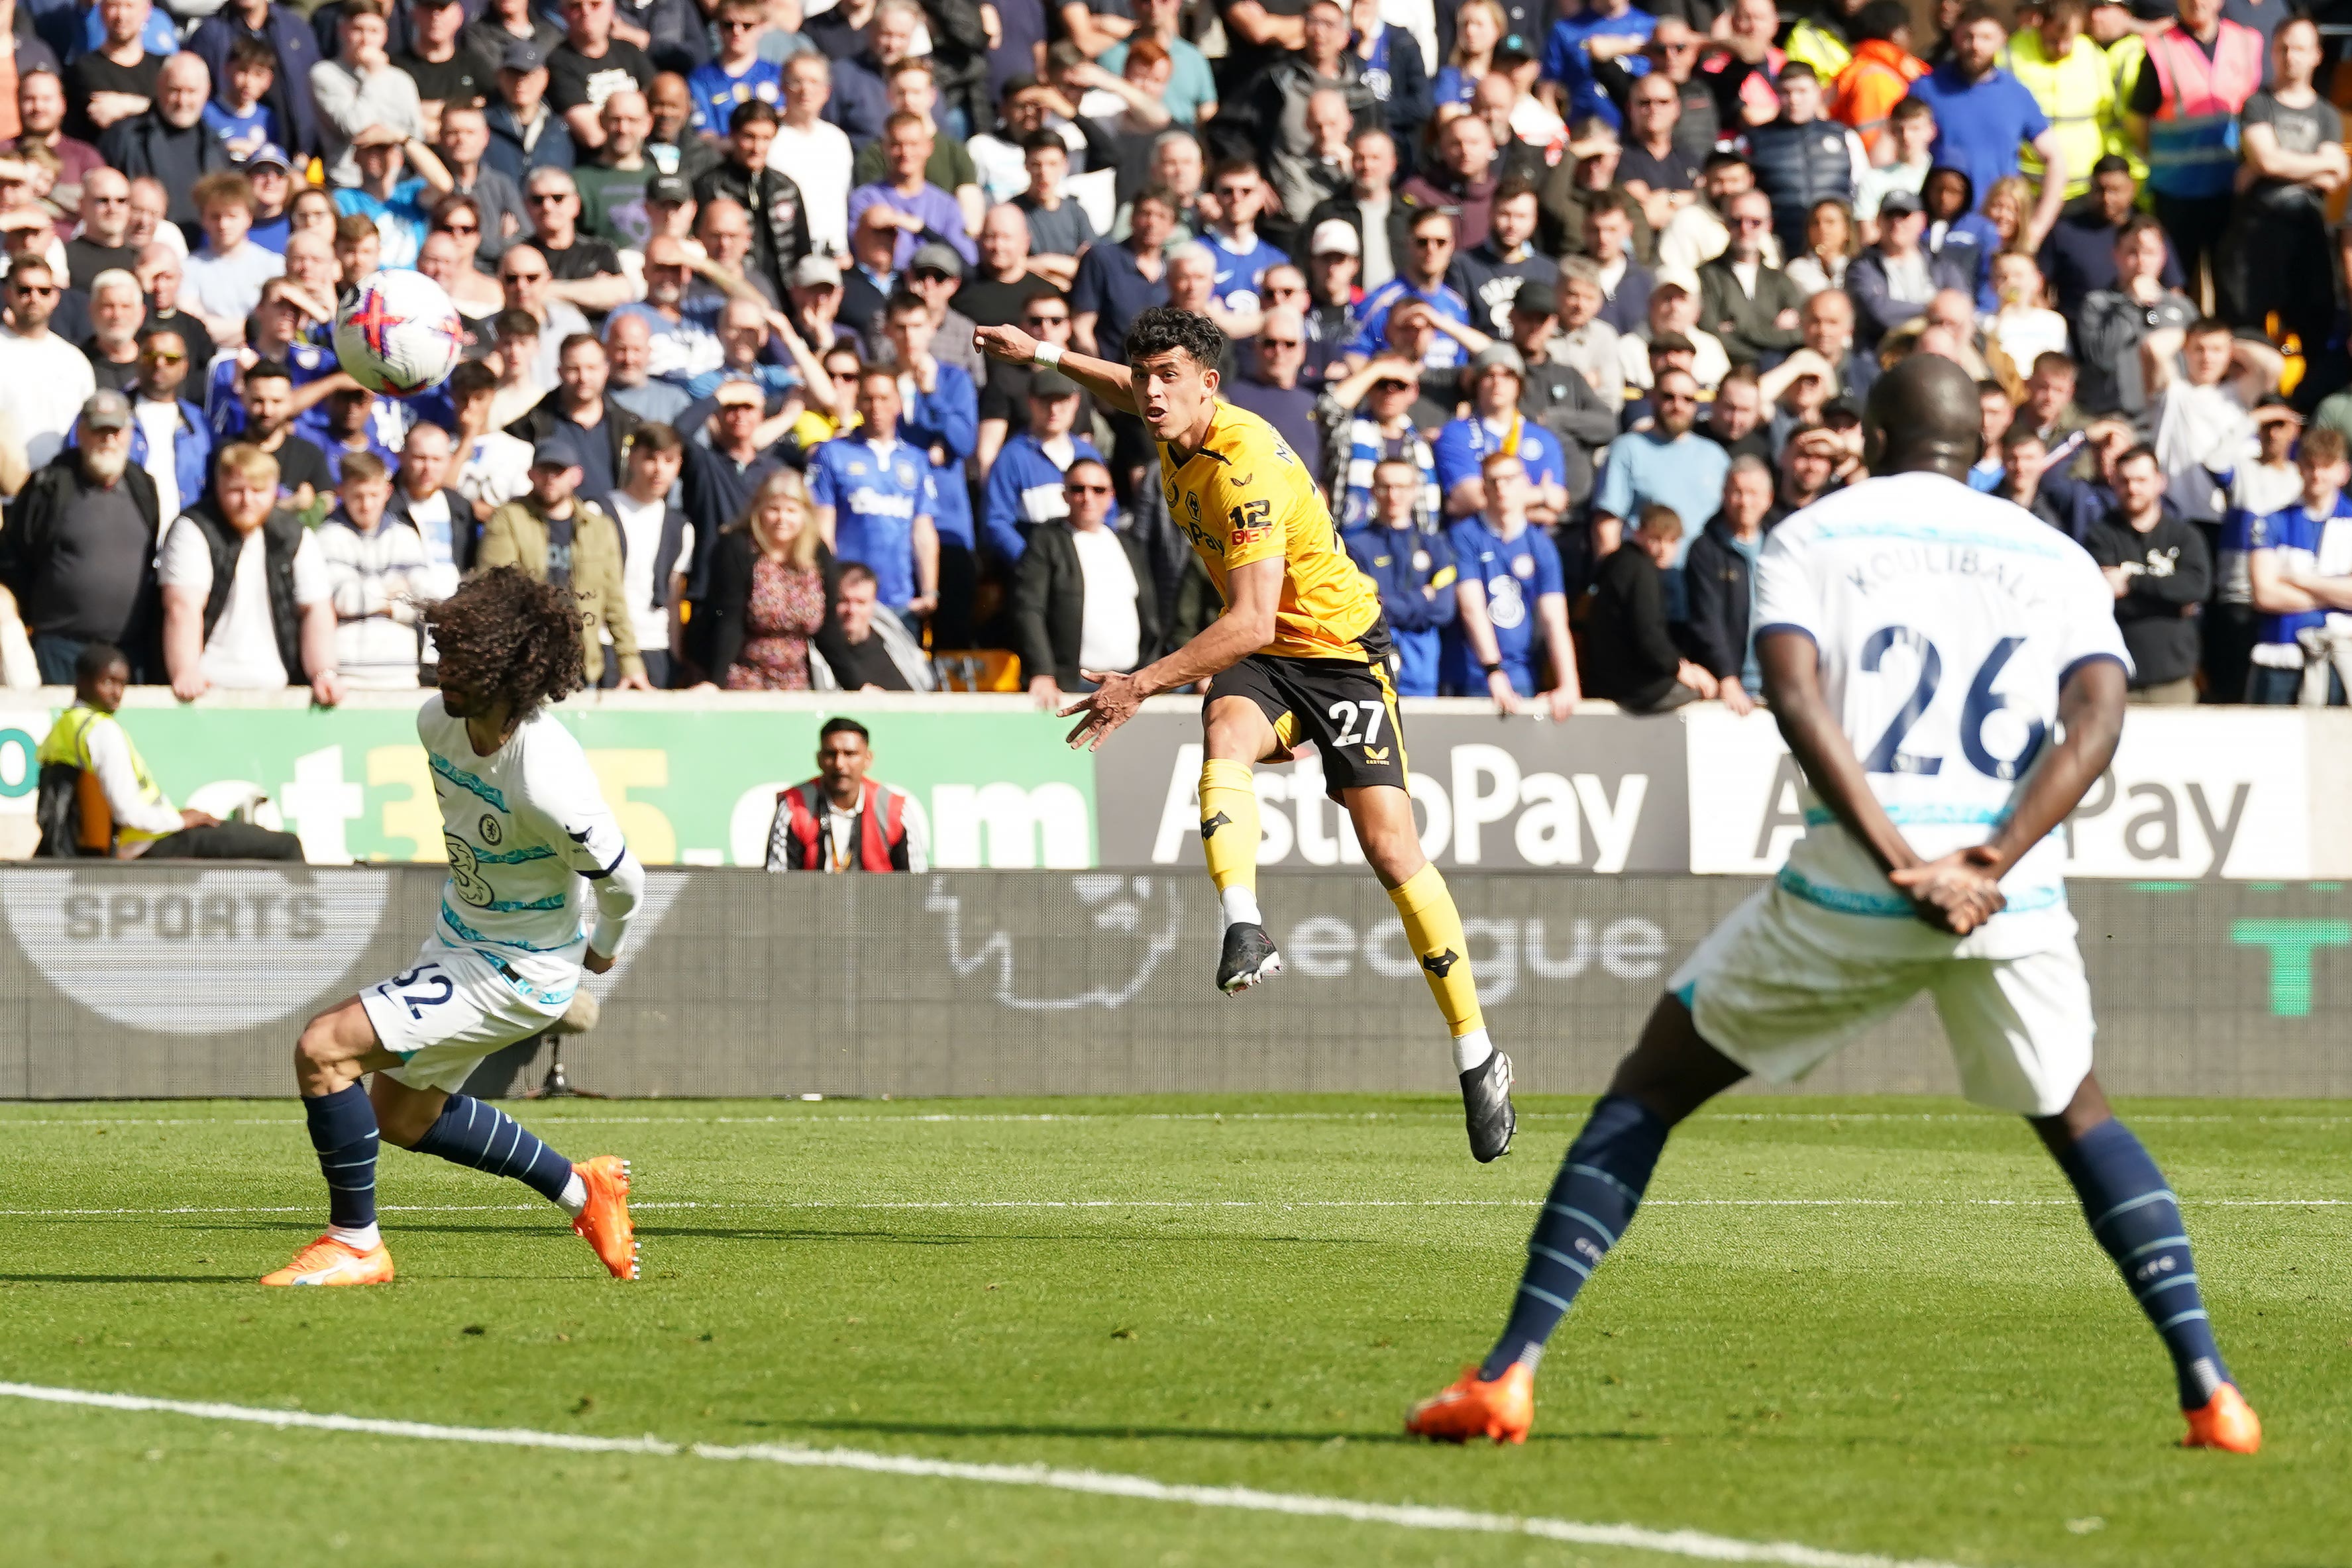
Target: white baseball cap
[[1335, 237]]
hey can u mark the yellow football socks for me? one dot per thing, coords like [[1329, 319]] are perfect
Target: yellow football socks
[[1229, 836], [1433, 926]]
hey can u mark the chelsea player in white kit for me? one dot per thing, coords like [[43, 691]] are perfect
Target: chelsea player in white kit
[[531, 846], [1947, 671]]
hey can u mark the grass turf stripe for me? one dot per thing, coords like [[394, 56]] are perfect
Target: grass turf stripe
[[1690, 1543]]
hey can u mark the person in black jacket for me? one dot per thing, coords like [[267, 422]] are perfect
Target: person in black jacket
[[2162, 574], [1076, 614], [78, 551], [773, 588], [1720, 575], [1629, 655], [170, 141]]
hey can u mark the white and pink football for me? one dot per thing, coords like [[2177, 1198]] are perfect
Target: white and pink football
[[398, 333]]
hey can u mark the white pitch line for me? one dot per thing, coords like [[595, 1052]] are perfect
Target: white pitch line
[[1690, 1543], [975, 1204]]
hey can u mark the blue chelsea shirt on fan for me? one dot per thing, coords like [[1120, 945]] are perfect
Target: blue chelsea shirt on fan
[[877, 491]]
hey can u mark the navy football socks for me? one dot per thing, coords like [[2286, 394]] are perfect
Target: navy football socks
[[2136, 1217], [342, 1129], [1592, 1200], [469, 1133]]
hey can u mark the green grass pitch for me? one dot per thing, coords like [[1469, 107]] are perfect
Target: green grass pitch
[[1864, 1326]]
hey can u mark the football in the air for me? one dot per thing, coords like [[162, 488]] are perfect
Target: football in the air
[[398, 333]]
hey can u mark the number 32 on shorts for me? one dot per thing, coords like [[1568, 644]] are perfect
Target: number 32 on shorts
[[426, 986]]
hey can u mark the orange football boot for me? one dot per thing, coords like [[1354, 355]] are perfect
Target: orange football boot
[[2224, 1421], [328, 1261], [604, 1223], [1502, 1409]]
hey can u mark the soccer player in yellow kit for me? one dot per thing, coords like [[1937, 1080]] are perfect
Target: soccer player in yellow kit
[[1299, 654]]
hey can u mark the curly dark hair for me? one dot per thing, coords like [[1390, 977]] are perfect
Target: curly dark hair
[[1163, 327], [506, 635]]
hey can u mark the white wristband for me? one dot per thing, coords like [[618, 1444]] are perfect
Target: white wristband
[[1048, 355]]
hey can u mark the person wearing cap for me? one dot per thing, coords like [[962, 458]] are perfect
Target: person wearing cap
[[271, 173], [1556, 394], [1893, 281], [397, 202], [293, 48], [557, 537], [934, 277], [237, 626], [749, 177], [670, 207], [1495, 424], [360, 87], [525, 133], [1333, 259], [1026, 480], [463, 146], [78, 548], [1381, 224]]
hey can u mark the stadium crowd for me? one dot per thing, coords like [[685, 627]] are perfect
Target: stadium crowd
[[1566, 310]]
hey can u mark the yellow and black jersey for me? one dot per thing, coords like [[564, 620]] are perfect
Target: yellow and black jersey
[[1246, 497]]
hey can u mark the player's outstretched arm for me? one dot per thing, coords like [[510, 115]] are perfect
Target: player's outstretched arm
[[1110, 383], [1253, 592]]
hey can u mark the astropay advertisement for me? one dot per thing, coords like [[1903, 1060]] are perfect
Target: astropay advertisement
[[2192, 794]]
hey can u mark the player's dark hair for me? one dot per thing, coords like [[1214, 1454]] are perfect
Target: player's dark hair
[[267, 371], [1164, 328], [513, 324], [94, 660], [843, 726], [504, 636]]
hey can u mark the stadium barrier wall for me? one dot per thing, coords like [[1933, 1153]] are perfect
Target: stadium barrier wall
[[124, 980], [2239, 793]]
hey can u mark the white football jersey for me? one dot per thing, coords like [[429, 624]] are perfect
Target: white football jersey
[[527, 834], [1946, 620]]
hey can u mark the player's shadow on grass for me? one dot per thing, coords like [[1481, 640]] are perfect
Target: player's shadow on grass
[[1189, 1433]]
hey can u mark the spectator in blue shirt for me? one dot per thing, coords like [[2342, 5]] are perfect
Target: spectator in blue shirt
[[239, 113], [1412, 566], [1509, 584], [875, 496], [1117, 282], [1983, 115], [922, 212], [1421, 274], [1667, 464], [1496, 424], [1242, 258], [940, 417], [739, 75], [400, 204], [2295, 564], [1603, 30], [1025, 481]]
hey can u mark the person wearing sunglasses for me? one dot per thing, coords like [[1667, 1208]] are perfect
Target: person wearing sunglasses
[[1083, 599], [1421, 277], [1025, 481], [44, 379], [738, 75]]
